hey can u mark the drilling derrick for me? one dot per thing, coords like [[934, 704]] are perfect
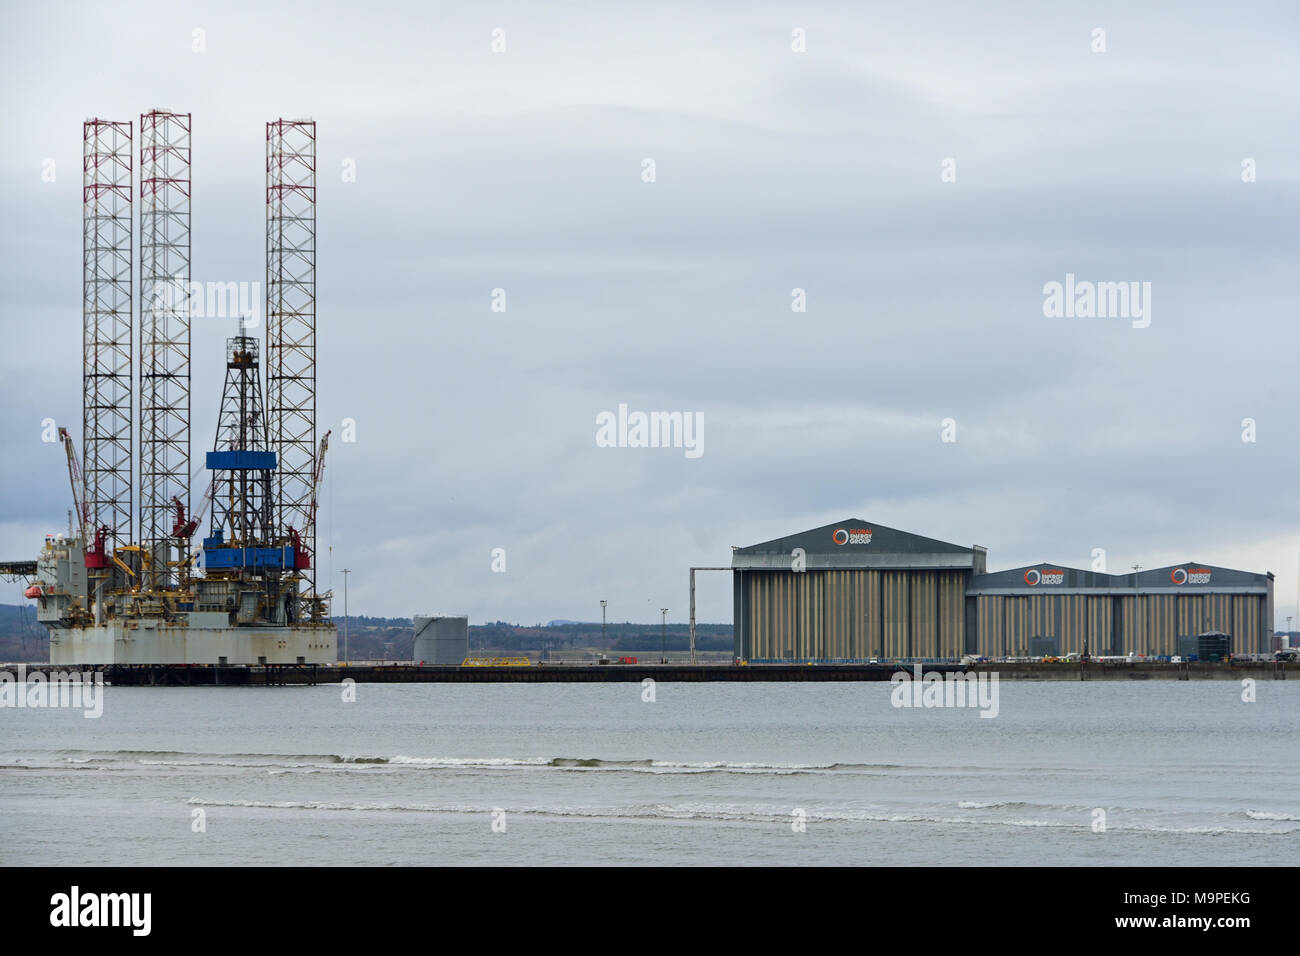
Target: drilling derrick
[[244, 561], [242, 482]]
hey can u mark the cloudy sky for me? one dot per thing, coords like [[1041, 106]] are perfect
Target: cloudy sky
[[774, 169]]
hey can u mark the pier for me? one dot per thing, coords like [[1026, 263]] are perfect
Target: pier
[[279, 675]]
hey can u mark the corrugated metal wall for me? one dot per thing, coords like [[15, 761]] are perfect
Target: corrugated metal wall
[[857, 615], [988, 626], [894, 610], [1100, 624], [1149, 623], [853, 615], [1007, 622], [1252, 624], [1015, 617], [952, 615], [852, 630]]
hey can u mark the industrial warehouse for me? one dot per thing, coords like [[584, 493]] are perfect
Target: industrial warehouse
[[855, 590]]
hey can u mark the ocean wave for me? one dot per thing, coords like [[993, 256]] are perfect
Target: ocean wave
[[731, 814], [401, 760], [312, 762], [641, 764], [1029, 804], [93, 756], [647, 812], [1268, 815], [159, 757]]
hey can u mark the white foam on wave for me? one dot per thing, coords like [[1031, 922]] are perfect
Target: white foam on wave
[[1268, 815], [403, 760], [735, 813]]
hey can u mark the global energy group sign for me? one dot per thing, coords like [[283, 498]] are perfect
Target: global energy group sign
[[852, 536], [1035, 577], [1190, 575]]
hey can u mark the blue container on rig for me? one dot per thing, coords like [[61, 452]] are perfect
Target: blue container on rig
[[217, 555], [241, 460]]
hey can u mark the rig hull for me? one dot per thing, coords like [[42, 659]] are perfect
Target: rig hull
[[120, 642]]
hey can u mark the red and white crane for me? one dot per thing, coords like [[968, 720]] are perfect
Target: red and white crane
[[301, 557], [78, 486]]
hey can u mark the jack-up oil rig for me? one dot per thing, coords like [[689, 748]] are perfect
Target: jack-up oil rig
[[125, 585]]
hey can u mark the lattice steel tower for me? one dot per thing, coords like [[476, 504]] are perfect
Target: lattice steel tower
[[164, 333], [242, 494], [107, 331], [291, 323]]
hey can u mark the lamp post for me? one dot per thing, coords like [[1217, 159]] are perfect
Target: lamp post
[[602, 626], [346, 572], [663, 633]]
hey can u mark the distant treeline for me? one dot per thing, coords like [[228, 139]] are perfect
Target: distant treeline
[[391, 638], [21, 638], [367, 638]]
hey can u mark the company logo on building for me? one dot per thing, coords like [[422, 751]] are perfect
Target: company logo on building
[[1047, 576], [852, 536], [1190, 575]]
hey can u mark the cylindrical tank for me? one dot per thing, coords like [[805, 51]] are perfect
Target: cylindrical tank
[[441, 639]]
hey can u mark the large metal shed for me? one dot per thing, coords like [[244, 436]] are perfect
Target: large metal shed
[[852, 590], [855, 590]]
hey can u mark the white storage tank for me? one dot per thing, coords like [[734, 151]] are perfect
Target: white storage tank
[[441, 639]]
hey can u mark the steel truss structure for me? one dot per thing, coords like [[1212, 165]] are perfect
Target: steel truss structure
[[107, 330], [164, 334], [242, 499], [291, 323]]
